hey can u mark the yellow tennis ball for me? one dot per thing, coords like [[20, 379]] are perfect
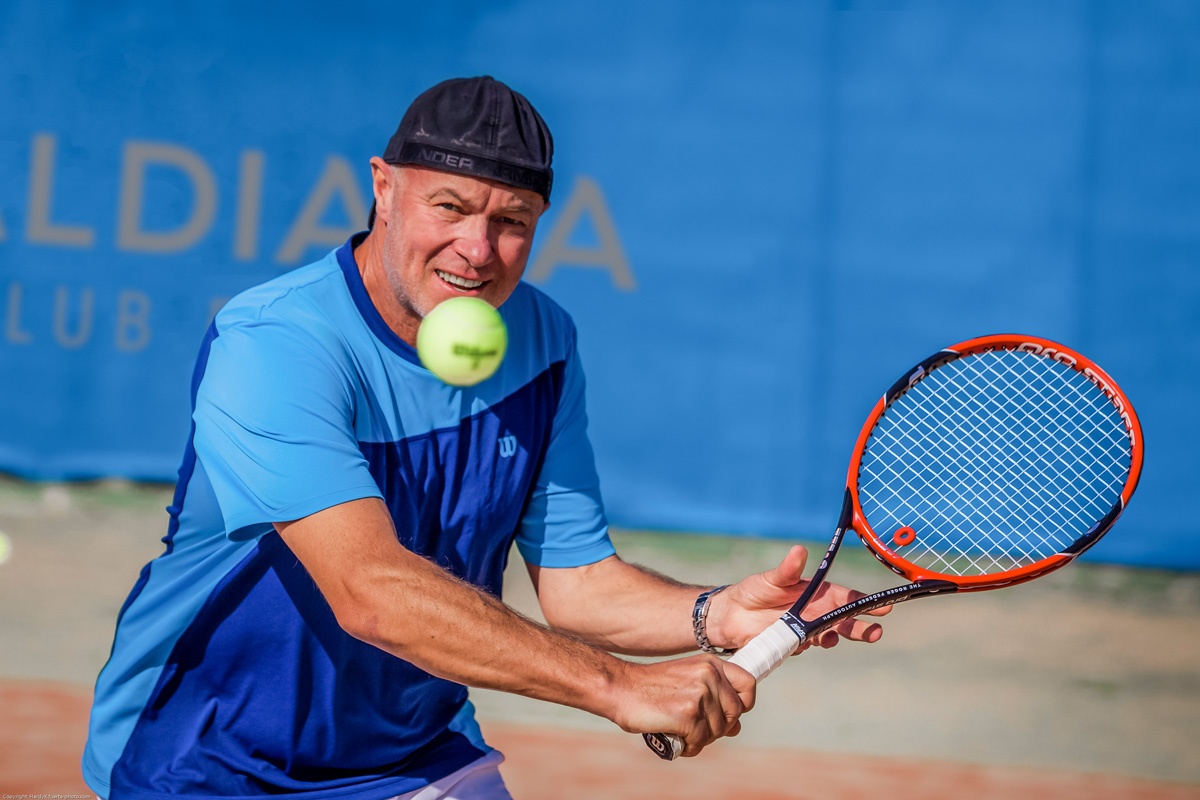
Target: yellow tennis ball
[[462, 341]]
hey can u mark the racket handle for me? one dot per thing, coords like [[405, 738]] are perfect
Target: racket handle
[[759, 657], [768, 650], [666, 746]]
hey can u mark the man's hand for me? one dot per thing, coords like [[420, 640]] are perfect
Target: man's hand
[[746, 608], [700, 699]]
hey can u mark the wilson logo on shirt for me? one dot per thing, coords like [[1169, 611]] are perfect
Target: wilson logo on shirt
[[508, 446]]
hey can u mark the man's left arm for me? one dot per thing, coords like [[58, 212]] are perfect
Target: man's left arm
[[628, 609], [620, 606]]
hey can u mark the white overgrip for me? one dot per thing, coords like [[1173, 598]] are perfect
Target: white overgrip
[[768, 650]]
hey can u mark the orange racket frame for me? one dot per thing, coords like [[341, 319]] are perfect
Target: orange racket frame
[[878, 541]]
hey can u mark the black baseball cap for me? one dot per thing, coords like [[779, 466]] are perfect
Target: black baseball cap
[[478, 127]]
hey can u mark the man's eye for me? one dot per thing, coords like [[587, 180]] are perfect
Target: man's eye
[[512, 221]]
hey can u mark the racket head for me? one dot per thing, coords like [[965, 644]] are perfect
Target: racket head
[[993, 462]]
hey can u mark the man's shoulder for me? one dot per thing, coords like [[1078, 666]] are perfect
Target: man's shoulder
[[306, 311], [314, 288], [531, 305], [540, 332]]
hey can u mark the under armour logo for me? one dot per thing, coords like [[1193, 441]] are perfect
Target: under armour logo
[[508, 446]]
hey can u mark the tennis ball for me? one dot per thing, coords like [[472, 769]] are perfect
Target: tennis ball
[[462, 341], [5, 548]]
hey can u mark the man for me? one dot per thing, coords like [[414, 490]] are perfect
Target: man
[[342, 519]]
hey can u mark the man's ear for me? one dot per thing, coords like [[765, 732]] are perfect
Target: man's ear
[[382, 178]]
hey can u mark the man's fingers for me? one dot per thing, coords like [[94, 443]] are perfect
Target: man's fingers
[[832, 595], [854, 629], [730, 693], [791, 569], [881, 611], [866, 631], [828, 639], [743, 683]]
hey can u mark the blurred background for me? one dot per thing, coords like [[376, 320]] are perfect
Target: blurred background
[[763, 213]]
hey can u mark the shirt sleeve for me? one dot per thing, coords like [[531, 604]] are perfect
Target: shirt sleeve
[[274, 425], [564, 523]]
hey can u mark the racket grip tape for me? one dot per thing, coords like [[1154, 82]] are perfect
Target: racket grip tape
[[759, 657], [768, 650]]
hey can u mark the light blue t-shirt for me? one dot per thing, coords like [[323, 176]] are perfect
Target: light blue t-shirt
[[229, 675]]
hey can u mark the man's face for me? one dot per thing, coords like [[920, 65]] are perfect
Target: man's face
[[448, 235]]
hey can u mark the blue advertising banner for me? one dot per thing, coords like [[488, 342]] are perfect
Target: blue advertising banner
[[764, 212]]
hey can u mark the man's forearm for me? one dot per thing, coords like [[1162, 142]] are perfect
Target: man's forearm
[[406, 605], [622, 607], [459, 632]]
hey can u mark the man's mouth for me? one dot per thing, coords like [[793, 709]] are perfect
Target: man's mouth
[[466, 284]]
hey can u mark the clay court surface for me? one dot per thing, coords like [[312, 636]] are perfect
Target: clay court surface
[[1083, 685]]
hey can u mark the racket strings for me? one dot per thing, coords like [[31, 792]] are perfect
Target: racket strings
[[1020, 459], [996, 460], [1022, 467]]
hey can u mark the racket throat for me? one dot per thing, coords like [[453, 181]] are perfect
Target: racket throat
[[818, 578], [802, 629], [797, 626]]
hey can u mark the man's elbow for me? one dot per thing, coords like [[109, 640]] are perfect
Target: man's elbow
[[366, 620]]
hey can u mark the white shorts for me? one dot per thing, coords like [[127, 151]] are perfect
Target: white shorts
[[479, 780]]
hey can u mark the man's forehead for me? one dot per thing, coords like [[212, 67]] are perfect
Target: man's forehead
[[431, 181]]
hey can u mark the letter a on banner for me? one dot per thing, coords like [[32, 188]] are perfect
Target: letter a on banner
[[336, 181], [610, 256]]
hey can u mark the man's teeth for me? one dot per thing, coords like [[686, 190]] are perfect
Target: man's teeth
[[462, 283]]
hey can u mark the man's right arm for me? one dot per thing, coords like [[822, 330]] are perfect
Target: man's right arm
[[396, 600]]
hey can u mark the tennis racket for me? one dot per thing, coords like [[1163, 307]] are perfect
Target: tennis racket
[[990, 463]]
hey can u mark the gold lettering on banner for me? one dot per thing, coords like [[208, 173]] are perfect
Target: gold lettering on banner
[[73, 340], [556, 252], [337, 179], [336, 184], [133, 321], [140, 155], [249, 205], [12, 325], [38, 226]]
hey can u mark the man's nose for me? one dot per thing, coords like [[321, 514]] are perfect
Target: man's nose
[[474, 242]]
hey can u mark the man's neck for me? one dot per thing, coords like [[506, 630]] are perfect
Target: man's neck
[[369, 258]]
